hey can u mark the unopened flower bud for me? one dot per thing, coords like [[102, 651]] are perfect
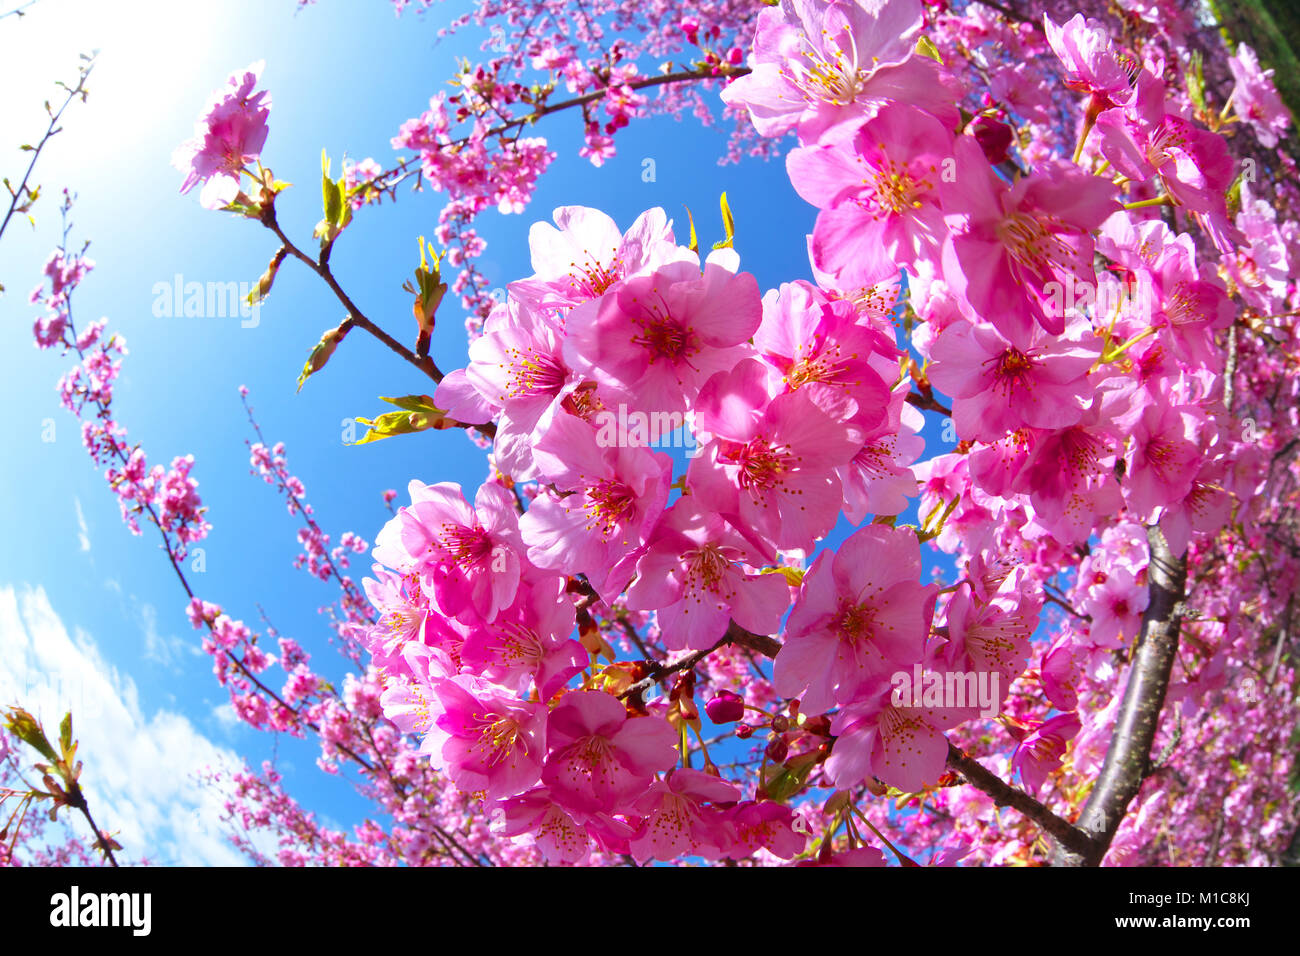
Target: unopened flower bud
[[778, 749], [994, 138], [819, 725], [725, 707]]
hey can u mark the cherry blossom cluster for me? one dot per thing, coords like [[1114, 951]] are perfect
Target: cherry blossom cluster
[[1077, 227], [1078, 332], [613, 61], [1183, 465]]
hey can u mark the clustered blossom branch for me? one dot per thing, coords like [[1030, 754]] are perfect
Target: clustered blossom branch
[[1009, 166]]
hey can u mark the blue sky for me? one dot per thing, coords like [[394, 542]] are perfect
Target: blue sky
[[343, 76]]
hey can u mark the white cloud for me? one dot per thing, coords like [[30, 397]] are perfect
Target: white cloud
[[83, 533], [140, 771], [164, 649], [226, 717]]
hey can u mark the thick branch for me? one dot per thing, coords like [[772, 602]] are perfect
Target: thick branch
[[1005, 795], [1128, 760]]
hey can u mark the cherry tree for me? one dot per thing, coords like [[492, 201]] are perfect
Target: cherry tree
[[1074, 223]]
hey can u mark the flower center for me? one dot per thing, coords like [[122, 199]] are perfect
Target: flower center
[[762, 465], [532, 373], [583, 402], [819, 366], [894, 189], [1083, 452], [592, 279], [1014, 369], [1032, 242], [402, 623], [706, 567], [519, 644], [855, 623], [467, 547], [496, 738], [609, 503], [837, 80]]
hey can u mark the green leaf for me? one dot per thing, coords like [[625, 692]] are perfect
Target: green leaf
[[695, 243], [65, 732], [28, 729], [431, 287], [418, 413], [1195, 77], [414, 403], [248, 210], [338, 211], [728, 225], [782, 782], [326, 184], [926, 48]]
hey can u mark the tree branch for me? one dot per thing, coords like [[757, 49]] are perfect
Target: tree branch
[[928, 402], [51, 131], [735, 635], [1004, 795], [1129, 756], [355, 316]]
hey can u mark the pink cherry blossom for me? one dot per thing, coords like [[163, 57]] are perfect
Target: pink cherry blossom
[[861, 613], [1255, 97], [876, 191], [605, 504], [692, 575], [600, 758], [1001, 384], [1116, 607], [1043, 749], [1010, 249], [902, 745], [771, 465], [680, 818], [822, 68], [470, 558], [229, 134], [1092, 62], [658, 337]]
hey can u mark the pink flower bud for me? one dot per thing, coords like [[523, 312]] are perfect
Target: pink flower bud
[[993, 136], [725, 707]]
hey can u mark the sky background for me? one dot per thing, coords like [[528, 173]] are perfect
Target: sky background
[[90, 616]]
